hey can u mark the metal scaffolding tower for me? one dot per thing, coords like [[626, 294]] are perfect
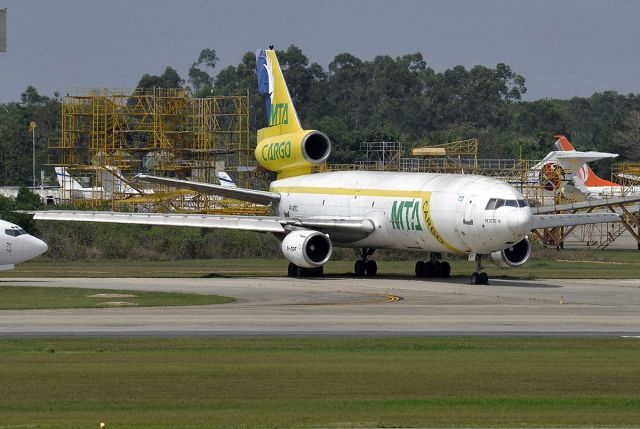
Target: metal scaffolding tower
[[159, 131]]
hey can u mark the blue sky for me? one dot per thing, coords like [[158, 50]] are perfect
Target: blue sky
[[563, 48]]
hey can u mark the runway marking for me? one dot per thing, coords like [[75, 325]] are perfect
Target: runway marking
[[392, 298]]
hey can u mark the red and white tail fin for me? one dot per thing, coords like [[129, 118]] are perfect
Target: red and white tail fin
[[585, 174]]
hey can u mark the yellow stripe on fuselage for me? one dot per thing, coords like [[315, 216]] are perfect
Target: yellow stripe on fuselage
[[423, 195], [351, 191]]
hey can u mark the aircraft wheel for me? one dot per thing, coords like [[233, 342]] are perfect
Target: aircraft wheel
[[371, 268], [475, 278], [291, 269], [300, 272], [484, 279], [437, 269], [445, 270], [358, 268], [419, 269], [428, 269], [318, 271]]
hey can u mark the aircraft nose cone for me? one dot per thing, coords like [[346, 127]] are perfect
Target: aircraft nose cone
[[38, 247], [519, 221]]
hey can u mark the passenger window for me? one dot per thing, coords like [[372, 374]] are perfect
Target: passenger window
[[491, 205], [522, 203], [511, 203], [499, 203]]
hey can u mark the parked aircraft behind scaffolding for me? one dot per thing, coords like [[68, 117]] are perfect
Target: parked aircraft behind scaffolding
[[589, 183], [428, 212], [71, 188]]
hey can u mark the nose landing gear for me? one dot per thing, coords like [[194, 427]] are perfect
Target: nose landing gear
[[364, 265], [479, 277], [433, 267]]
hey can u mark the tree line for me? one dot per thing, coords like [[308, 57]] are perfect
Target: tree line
[[386, 98]]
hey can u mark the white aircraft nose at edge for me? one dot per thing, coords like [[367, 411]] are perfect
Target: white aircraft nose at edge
[[429, 212], [16, 245]]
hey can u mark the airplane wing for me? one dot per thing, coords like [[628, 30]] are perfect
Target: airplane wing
[[556, 220], [242, 194], [339, 229]]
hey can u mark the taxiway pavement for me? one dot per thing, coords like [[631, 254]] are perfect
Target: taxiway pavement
[[346, 306]]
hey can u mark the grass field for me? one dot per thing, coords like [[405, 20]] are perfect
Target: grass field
[[320, 382], [549, 264], [28, 297]]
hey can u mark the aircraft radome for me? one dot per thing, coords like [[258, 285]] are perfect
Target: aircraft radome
[[312, 213], [17, 245]]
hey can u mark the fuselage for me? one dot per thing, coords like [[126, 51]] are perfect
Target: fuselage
[[448, 213], [17, 246]]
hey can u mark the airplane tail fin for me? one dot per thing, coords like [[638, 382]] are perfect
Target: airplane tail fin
[[66, 181], [585, 175], [562, 143], [280, 109], [226, 180], [284, 146]]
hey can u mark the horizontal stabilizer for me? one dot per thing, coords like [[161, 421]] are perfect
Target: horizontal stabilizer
[[242, 194], [556, 220]]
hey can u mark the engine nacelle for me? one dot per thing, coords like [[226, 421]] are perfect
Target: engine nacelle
[[307, 249], [292, 153], [513, 256]]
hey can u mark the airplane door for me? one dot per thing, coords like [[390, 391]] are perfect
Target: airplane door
[[468, 211]]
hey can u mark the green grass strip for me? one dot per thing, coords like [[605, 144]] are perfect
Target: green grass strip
[[29, 297], [320, 382]]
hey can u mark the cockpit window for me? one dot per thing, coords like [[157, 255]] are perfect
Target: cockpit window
[[491, 205], [14, 232], [496, 203]]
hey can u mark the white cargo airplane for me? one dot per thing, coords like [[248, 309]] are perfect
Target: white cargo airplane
[[427, 212], [17, 246]]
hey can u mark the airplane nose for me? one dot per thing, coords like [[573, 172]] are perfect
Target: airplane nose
[[519, 221], [38, 247]]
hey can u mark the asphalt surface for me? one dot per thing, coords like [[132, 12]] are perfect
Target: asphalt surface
[[346, 306]]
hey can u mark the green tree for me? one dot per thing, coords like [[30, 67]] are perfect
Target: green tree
[[168, 79], [200, 78]]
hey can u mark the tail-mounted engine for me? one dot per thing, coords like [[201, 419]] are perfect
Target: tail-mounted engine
[[306, 248], [513, 256], [293, 153]]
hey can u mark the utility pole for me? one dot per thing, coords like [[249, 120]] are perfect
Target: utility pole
[[32, 127]]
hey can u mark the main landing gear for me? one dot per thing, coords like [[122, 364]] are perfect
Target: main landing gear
[[295, 271], [479, 277], [433, 267], [364, 265]]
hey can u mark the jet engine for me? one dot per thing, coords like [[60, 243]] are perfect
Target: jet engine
[[292, 153], [513, 256], [306, 248]]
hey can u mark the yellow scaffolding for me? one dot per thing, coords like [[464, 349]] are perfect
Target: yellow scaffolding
[[159, 131]]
